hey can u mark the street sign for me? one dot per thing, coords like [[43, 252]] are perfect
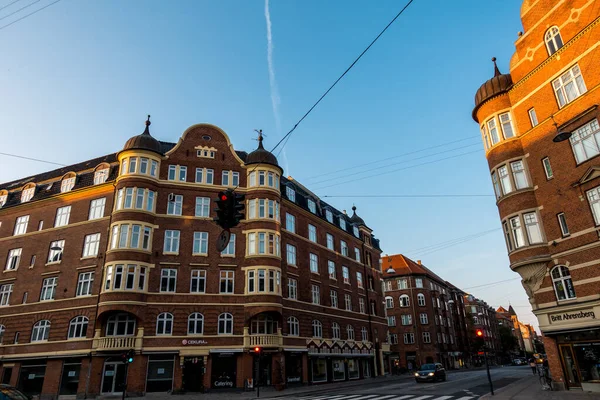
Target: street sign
[[223, 240]]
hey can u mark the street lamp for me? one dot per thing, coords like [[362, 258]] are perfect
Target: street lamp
[[560, 136], [390, 270]]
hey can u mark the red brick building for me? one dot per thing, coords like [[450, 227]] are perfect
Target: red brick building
[[425, 316], [481, 316], [119, 253], [539, 124]]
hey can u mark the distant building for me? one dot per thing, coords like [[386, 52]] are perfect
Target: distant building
[[481, 316]]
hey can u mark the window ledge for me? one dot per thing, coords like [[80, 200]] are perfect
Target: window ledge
[[227, 255], [9, 270], [87, 257], [53, 263], [514, 193], [197, 254], [169, 253]]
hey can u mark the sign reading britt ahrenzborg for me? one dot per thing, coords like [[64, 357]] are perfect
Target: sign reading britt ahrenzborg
[[572, 316]]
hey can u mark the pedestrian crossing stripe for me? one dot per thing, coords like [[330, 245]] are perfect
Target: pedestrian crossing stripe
[[384, 397]]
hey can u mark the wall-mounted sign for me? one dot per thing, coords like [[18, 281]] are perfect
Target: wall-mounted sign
[[293, 379], [71, 373], [223, 383], [572, 316], [193, 342]]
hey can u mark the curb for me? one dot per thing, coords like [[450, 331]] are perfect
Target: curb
[[488, 395]]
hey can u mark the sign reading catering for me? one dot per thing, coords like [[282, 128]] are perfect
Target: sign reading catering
[[572, 316]]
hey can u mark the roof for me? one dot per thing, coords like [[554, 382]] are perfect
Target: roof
[[143, 141], [261, 155], [498, 84], [405, 266]]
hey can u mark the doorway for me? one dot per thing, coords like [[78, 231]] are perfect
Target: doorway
[[262, 369], [113, 377], [193, 374], [570, 366]]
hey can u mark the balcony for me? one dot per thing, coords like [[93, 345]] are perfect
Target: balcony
[[262, 340], [109, 343]]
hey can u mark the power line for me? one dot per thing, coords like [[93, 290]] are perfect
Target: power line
[[433, 250], [413, 195], [33, 159], [28, 15], [20, 9], [491, 283], [340, 78], [9, 4], [451, 240]]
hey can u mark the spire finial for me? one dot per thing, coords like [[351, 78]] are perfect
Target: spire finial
[[353, 208], [496, 70], [147, 131], [260, 137]]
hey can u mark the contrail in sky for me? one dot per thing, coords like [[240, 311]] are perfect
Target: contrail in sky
[[275, 99]]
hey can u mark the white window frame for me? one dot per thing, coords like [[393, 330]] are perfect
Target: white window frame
[[91, 244], [202, 207], [78, 327], [21, 225], [421, 299], [336, 331], [409, 338], [350, 332], [5, 292], [195, 321], [226, 281], [426, 337], [290, 193], [168, 280], [347, 302], [175, 206], [406, 319], [225, 324], [334, 298], [200, 245], [547, 168], [229, 251], [533, 228], [198, 277], [40, 331], [292, 289], [571, 79], [516, 232], [331, 270], [593, 196], [404, 301], [290, 222], [13, 259], [67, 184], [562, 278], [48, 291], [85, 282], [27, 194], [330, 241], [312, 206], [329, 216], [314, 263], [423, 317], [585, 141], [55, 256], [315, 291], [164, 324], [519, 174], [346, 275], [508, 130], [97, 208], [291, 254], [532, 117], [553, 40], [317, 329], [344, 248], [312, 233], [171, 244], [293, 326], [62, 216]]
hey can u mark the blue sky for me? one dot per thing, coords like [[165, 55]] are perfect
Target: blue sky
[[78, 78]]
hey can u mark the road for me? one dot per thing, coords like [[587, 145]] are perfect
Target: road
[[460, 385]]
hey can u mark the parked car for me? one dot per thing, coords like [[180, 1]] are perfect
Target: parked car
[[8, 392], [430, 373]]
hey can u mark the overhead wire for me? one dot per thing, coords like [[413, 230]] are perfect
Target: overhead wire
[[32, 159], [9, 4], [28, 15], [410, 195], [451, 241], [456, 243], [491, 283], [20, 9]]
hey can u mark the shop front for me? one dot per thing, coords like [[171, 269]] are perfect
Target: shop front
[[223, 369], [293, 368], [580, 358], [31, 377], [161, 368]]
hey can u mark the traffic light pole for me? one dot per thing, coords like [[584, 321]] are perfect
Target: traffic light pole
[[487, 367], [258, 373], [125, 383]]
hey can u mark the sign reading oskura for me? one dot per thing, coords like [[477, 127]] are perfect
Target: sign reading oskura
[[192, 342], [572, 316]]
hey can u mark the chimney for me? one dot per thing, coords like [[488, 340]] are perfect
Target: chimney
[[344, 211], [419, 262]]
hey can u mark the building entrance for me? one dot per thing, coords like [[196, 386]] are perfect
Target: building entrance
[[113, 377], [193, 374]]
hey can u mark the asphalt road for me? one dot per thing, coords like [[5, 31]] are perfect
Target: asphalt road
[[460, 385]]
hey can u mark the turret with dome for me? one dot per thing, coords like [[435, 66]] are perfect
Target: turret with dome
[[143, 141]]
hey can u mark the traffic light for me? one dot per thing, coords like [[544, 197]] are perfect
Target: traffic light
[[238, 207], [229, 209], [257, 350], [479, 332], [127, 358]]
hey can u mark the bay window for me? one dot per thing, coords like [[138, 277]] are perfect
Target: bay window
[[263, 243]]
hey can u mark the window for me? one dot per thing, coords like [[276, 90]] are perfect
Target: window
[[56, 251], [97, 208], [317, 329], [389, 302], [331, 270], [3, 198], [364, 334], [290, 193], [312, 233], [90, 245], [493, 130], [329, 216], [519, 176], [517, 232], [409, 338], [423, 318], [292, 289], [263, 208], [585, 141], [100, 176], [21, 225], [202, 207], [293, 326], [348, 302], [12, 261], [67, 184], [198, 281], [506, 124], [421, 299], [27, 193], [336, 331], [84, 284], [342, 223], [314, 263], [130, 236], [78, 327], [168, 280], [62, 216], [316, 294], [532, 117], [178, 173], [226, 281], [290, 223], [174, 206], [404, 301], [359, 280], [123, 277], [230, 249], [48, 289], [334, 298], [291, 254], [330, 244], [200, 246], [346, 275], [418, 282], [311, 206], [171, 242], [263, 280], [355, 231], [534, 233], [426, 337], [344, 248], [164, 324], [505, 180], [357, 254], [225, 326], [553, 40], [563, 285], [41, 331], [5, 292], [594, 200], [402, 283], [195, 324], [263, 243], [393, 338], [406, 319], [350, 332], [569, 86], [391, 320], [548, 167]]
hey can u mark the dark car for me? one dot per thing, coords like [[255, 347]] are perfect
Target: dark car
[[8, 392], [430, 373]]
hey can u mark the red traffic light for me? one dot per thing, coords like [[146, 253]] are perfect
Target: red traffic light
[[257, 349], [479, 332], [223, 197]]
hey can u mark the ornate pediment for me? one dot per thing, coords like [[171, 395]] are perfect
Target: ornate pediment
[[590, 174]]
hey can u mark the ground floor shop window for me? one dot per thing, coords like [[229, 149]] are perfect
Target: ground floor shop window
[[588, 358], [339, 370], [69, 381], [367, 368], [293, 368], [31, 378], [353, 369], [224, 367], [6, 375], [160, 373], [319, 370]]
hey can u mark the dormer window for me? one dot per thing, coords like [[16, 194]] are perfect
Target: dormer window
[[205, 152], [355, 231], [553, 40], [101, 175], [67, 184], [311, 206], [3, 197], [329, 216], [28, 192], [290, 193], [342, 223]]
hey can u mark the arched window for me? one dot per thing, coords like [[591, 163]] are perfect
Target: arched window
[[364, 334], [336, 331], [101, 174], [553, 40], [164, 324], [404, 301], [317, 329], [27, 192], [225, 324], [350, 332], [78, 327], [120, 325], [41, 330], [389, 302], [563, 285], [195, 324], [2, 330], [293, 326], [68, 182], [421, 299], [3, 197]]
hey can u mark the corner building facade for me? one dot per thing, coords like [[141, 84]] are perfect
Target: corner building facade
[[119, 253], [540, 127]]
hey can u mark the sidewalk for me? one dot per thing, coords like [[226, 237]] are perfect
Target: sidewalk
[[529, 388]]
